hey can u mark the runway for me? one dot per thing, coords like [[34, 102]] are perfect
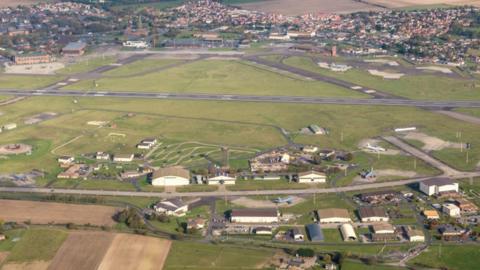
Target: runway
[[247, 98]]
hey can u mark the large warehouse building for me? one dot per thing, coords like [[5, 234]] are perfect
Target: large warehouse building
[[171, 176], [333, 215], [269, 215], [437, 186]]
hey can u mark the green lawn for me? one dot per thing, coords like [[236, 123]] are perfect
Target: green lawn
[[12, 238], [106, 185], [455, 257], [27, 81], [414, 87], [332, 236], [87, 65], [219, 76], [197, 188], [139, 67], [354, 265], [208, 256], [37, 244]]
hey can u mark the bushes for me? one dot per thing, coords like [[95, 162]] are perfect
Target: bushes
[[130, 218]]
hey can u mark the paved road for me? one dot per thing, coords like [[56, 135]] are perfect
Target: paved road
[[246, 98], [225, 193]]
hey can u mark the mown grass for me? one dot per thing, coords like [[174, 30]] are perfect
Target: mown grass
[[87, 65], [219, 76], [455, 257], [414, 87], [27, 81], [138, 67]]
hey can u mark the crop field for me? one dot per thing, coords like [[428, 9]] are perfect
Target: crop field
[[430, 3], [208, 256], [414, 87], [292, 7], [189, 125], [84, 250], [132, 252], [46, 212], [217, 76]]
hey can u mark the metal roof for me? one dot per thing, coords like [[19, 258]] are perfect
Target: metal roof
[[315, 232], [438, 182]]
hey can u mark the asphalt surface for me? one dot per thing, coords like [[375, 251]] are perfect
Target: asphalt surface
[[246, 98]]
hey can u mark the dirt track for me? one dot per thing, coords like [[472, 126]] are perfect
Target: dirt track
[[135, 252], [46, 212], [82, 250]]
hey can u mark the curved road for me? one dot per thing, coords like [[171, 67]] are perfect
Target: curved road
[[247, 98]]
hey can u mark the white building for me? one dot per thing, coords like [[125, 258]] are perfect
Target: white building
[[254, 215], [102, 156], [451, 209], [438, 186], [348, 233], [147, 144], [137, 44], [222, 179], [173, 207], [415, 235], [123, 158], [171, 176], [373, 214], [9, 126], [333, 215], [66, 159], [383, 228], [312, 177]]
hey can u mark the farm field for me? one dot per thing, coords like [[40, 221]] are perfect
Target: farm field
[[414, 87], [206, 122], [46, 212], [292, 7], [413, 3], [208, 256], [218, 76], [36, 247], [84, 250], [132, 252]]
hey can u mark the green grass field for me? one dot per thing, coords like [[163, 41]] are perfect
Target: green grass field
[[218, 76], [27, 81], [87, 65], [137, 67], [208, 256], [216, 123], [414, 87], [37, 245], [455, 257], [354, 265]]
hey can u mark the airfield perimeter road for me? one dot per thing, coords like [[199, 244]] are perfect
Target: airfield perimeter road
[[248, 98]]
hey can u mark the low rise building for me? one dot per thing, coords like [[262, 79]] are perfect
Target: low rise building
[[171, 176], [373, 214], [32, 58], [437, 186], [414, 235], [123, 158], [173, 207], [466, 206], [348, 233], [74, 48], [196, 223], [383, 228], [254, 215], [315, 232], [221, 178], [451, 210], [102, 156], [66, 159], [9, 126], [262, 230], [431, 214], [312, 177], [333, 215]]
